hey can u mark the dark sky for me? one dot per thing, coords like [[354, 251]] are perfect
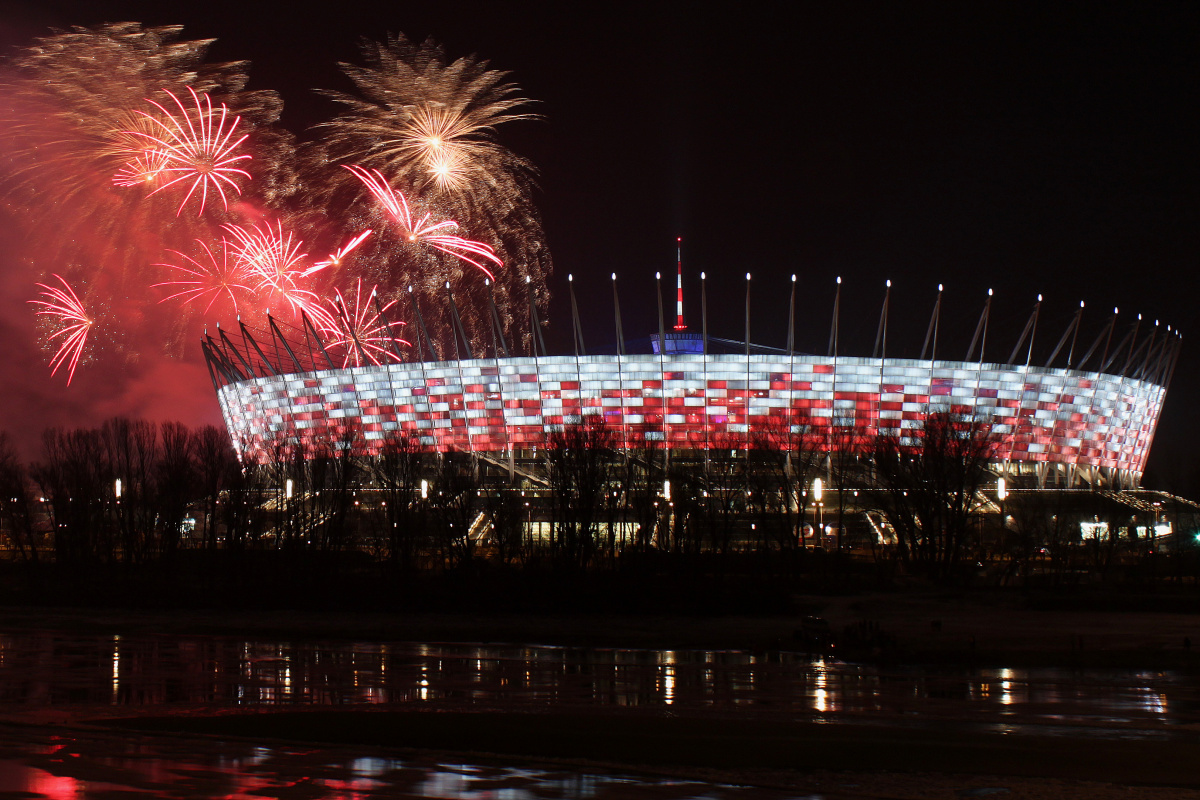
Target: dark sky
[[1033, 148]]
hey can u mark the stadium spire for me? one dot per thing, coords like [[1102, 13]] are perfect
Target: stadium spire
[[679, 325]]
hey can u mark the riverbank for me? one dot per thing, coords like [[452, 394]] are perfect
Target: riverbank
[[974, 629]]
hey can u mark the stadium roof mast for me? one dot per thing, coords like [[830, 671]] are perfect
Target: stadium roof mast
[[679, 324], [679, 341]]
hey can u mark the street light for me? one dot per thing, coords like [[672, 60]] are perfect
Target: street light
[[1001, 496], [287, 489], [424, 489], [818, 492], [117, 488]]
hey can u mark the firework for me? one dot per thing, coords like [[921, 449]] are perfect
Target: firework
[[424, 229], [212, 277], [195, 145], [127, 145], [274, 260], [71, 106], [335, 259], [140, 170], [73, 321], [362, 331], [74, 106], [428, 121], [92, 114]]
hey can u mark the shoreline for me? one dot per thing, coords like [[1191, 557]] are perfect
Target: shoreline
[[916, 629]]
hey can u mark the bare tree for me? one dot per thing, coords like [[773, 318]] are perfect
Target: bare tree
[[506, 509], [175, 483], [850, 447], [724, 494], [783, 459], [333, 470], [74, 477], [131, 453], [454, 505], [640, 478], [580, 458], [216, 465], [930, 479], [398, 471], [248, 490], [17, 507]]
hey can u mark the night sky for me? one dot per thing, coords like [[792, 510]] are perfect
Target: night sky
[[1026, 147]]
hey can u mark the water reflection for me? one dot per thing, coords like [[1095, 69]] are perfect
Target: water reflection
[[41, 764], [48, 669]]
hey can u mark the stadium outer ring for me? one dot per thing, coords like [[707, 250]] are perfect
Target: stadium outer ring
[[1091, 425]]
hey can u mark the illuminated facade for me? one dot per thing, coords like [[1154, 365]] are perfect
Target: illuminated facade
[[1072, 425]]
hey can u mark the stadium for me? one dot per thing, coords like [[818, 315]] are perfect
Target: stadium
[[762, 439], [1089, 421]]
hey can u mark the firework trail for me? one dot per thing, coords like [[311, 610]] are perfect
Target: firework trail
[[213, 277], [424, 229], [73, 321], [362, 330], [140, 170], [335, 259], [196, 145]]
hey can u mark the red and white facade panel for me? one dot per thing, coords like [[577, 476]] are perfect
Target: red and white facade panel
[[1057, 416]]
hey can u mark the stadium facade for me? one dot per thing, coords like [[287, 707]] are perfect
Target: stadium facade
[[1059, 425]]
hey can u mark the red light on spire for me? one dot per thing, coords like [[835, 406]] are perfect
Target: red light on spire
[[679, 326]]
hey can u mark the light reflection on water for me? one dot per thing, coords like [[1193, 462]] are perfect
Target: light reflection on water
[[91, 765], [40, 669]]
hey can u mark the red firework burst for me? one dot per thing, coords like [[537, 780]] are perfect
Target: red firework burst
[[362, 330], [425, 229], [195, 145], [140, 170], [210, 277], [274, 260], [73, 321]]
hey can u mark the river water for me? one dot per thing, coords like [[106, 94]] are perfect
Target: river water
[[86, 676]]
